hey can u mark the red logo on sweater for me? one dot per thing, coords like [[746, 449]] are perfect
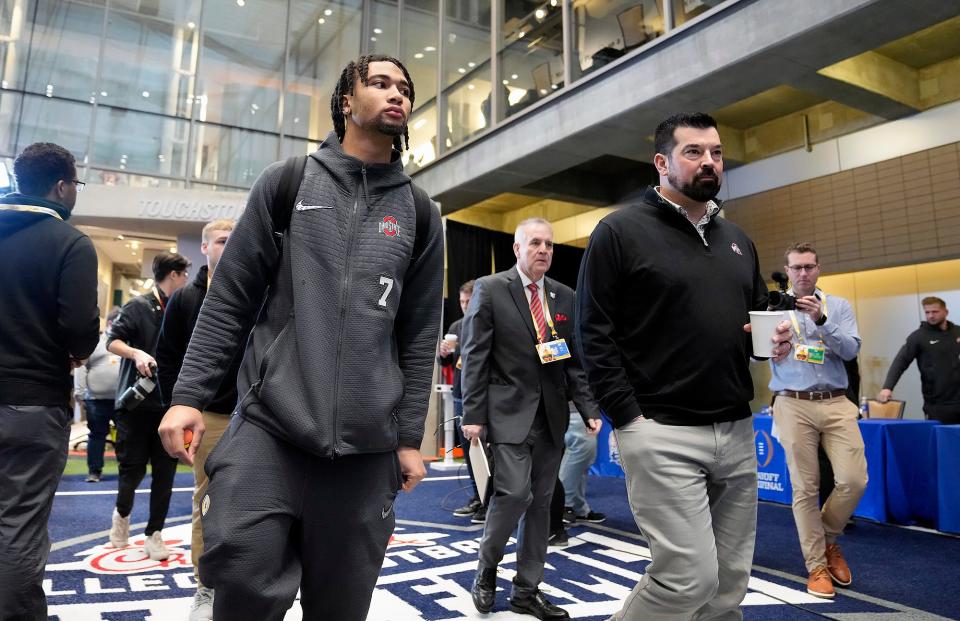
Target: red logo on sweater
[[389, 226], [560, 317]]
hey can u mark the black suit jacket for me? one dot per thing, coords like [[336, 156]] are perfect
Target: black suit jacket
[[503, 379]]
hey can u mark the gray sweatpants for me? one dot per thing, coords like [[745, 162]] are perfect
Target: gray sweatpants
[[693, 493], [276, 519], [33, 452]]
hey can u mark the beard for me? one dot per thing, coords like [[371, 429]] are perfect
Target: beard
[[702, 188], [391, 129]]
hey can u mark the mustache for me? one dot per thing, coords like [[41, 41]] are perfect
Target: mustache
[[708, 174]]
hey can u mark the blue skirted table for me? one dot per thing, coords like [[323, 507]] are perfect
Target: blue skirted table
[[913, 470]]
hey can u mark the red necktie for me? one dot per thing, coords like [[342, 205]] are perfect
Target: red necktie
[[537, 309]]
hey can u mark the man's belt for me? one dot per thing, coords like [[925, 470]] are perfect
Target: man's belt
[[813, 395]]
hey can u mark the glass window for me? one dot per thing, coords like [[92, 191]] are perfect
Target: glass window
[[112, 177], [150, 56], [685, 10], [64, 47], [44, 119], [324, 38], [421, 29], [423, 138], [140, 142], [231, 156], [242, 63], [9, 119], [605, 31], [382, 35], [466, 69], [531, 57], [468, 109], [298, 146]]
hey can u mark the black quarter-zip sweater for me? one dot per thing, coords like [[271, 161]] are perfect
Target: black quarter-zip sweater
[[661, 314]]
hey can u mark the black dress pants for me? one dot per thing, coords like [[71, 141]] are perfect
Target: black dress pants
[[138, 444], [276, 518], [33, 452]]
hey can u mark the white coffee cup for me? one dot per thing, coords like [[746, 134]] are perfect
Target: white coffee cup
[[451, 340], [763, 325]]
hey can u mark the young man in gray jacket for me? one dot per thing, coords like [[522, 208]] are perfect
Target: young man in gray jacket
[[96, 383], [335, 381]]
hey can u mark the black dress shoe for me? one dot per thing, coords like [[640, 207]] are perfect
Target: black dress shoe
[[538, 606], [484, 589]]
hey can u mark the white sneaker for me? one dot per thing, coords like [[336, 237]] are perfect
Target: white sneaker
[[202, 607], [156, 549], [120, 531]]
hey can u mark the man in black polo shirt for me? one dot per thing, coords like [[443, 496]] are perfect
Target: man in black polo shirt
[[133, 337], [665, 288]]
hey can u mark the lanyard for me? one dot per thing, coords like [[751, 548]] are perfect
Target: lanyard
[[163, 304], [796, 323], [31, 209], [546, 315]]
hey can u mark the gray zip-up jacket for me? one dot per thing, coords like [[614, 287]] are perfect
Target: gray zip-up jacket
[[341, 358]]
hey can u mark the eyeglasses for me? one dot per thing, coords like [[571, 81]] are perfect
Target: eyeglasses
[[79, 184], [802, 268]]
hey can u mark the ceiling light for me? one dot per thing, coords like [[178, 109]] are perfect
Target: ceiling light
[[191, 25], [514, 76], [418, 55], [241, 2], [103, 93], [429, 48], [173, 248], [373, 38], [539, 13], [506, 81], [553, 2], [461, 70], [321, 21], [120, 237], [377, 31], [134, 244], [471, 86], [520, 35], [296, 119], [145, 94], [328, 12], [471, 64]]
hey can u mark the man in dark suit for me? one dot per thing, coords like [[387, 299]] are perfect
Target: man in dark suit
[[517, 372]]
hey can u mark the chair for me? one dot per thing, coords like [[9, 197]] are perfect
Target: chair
[[890, 409]]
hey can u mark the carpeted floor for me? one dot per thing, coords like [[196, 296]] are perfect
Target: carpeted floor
[[899, 574]]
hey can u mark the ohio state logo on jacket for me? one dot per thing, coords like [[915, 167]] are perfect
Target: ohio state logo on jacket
[[389, 226]]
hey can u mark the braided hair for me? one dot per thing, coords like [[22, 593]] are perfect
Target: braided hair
[[358, 69]]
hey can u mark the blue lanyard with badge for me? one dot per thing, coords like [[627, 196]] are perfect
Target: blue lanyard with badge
[[805, 352], [554, 350]]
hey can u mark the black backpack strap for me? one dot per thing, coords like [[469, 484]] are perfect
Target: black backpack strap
[[283, 200], [422, 203]]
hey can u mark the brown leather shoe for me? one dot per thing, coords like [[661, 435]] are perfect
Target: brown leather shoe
[[837, 566], [819, 584]]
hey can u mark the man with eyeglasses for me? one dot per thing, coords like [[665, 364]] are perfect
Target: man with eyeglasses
[[49, 323], [811, 409]]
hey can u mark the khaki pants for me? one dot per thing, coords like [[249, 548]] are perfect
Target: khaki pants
[[801, 427], [215, 425]]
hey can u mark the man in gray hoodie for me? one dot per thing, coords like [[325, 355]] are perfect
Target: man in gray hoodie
[[335, 380], [96, 383]]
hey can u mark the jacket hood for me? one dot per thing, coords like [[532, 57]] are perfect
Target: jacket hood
[[347, 169], [13, 221]]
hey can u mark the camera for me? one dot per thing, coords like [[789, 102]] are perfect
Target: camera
[[781, 300], [141, 389]]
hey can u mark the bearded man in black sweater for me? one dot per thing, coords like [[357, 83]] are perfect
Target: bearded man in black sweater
[[665, 288]]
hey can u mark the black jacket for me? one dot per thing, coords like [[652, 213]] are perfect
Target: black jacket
[[341, 358], [138, 325], [48, 305], [661, 314], [179, 320], [937, 353]]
